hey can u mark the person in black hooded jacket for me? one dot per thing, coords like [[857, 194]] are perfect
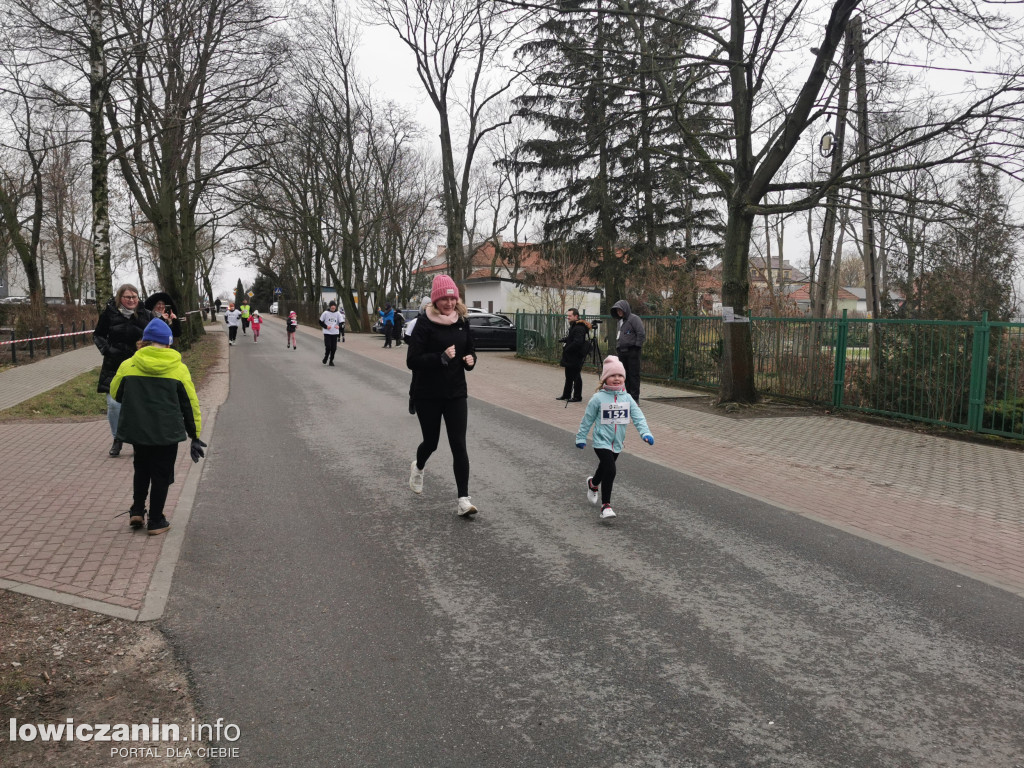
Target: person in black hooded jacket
[[628, 342], [119, 329]]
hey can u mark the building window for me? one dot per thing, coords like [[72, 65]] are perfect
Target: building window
[[490, 306]]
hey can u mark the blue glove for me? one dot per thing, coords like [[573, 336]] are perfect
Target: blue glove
[[649, 439], [581, 446]]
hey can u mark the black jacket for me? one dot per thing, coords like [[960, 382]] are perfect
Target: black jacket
[[115, 337], [577, 345], [435, 377]]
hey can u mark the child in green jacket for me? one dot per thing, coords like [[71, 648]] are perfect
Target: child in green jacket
[[159, 409]]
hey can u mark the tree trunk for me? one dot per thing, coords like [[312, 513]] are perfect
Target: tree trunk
[[102, 276], [737, 380]]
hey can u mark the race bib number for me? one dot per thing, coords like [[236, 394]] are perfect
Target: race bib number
[[615, 413]]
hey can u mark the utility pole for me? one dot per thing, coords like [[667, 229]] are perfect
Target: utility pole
[[828, 230], [866, 196]]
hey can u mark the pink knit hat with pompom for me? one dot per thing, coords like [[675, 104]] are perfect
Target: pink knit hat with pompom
[[612, 364], [443, 286]]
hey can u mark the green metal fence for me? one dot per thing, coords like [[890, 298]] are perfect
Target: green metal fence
[[968, 375]]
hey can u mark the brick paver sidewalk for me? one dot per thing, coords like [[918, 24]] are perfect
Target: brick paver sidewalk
[[24, 381], [60, 534]]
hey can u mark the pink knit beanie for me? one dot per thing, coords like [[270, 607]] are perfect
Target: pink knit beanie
[[612, 364], [443, 286]]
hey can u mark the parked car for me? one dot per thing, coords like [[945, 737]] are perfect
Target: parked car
[[408, 314], [16, 300], [273, 308], [498, 332]]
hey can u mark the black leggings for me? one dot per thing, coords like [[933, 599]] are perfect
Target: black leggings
[[604, 475], [154, 466], [456, 417], [330, 346], [232, 332]]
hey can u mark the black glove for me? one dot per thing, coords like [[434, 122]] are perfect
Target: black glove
[[196, 450]]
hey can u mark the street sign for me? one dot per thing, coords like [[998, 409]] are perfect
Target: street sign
[[249, 294], [278, 291]]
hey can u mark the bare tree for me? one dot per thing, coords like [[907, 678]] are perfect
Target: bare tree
[[459, 47]]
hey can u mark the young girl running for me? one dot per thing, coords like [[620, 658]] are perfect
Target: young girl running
[[256, 322], [291, 324], [609, 411]]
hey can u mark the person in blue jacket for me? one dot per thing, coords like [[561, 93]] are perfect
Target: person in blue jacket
[[388, 316], [609, 412]]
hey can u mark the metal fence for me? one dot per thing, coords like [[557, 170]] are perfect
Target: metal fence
[[968, 375]]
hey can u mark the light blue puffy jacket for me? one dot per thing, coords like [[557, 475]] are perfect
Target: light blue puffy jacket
[[610, 436]]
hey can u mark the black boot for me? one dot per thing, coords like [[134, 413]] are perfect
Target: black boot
[[115, 448]]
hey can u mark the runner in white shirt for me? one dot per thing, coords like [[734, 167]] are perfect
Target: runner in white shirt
[[332, 322]]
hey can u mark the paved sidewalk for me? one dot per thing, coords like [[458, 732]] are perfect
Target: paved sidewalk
[[957, 504], [62, 537], [21, 382]]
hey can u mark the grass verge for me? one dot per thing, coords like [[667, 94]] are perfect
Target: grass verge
[[78, 399]]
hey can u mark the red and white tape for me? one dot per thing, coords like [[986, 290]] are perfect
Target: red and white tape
[[44, 338]]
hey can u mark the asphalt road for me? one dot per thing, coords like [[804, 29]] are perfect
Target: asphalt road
[[340, 620]]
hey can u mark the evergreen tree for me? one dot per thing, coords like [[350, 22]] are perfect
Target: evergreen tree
[[239, 293], [973, 261], [614, 168]]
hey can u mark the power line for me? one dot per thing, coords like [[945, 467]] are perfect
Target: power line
[[944, 69]]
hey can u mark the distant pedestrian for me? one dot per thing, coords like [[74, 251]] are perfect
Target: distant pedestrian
[[246, 314], [440, 352], [233, 318], [161, 305], [291, 325], [628, 343], [331, 321], [159, 409], [118, 330], [574, 354], [341, 327], [217, 305], [257, 322], [388, 316], [609, 412], [399, 327]]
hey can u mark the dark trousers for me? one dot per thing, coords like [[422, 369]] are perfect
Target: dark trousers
[[154, 474], [573, 382], [604, 475], [389, 329], [232, 332], [456, 417], [245, 324], [330, 346], [630, 357]]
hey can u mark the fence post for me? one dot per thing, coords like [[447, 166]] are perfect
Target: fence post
[[46, 333], [678, 347], [840, 367], [31, 348], [14, 349], [979, 374], [62, 337]]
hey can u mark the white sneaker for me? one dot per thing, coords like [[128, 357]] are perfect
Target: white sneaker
[[592, 495], [416, 478], [466, 507], [607, 512]]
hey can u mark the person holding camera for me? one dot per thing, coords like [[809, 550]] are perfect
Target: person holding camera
[[574, 354], [628, 343]]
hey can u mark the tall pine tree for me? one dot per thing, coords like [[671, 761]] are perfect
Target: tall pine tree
[[613, 168]]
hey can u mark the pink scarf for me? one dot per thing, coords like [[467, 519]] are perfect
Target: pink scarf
[[610, 388], [439, 319]]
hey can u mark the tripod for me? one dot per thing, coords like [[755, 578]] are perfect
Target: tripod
[[596, 357]]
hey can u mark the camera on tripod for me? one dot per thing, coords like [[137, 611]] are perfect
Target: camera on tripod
[[595, 322]]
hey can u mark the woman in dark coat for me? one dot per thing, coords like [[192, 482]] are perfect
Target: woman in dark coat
[[120, 327], [574, 354], [440, 352], [161, 306]]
